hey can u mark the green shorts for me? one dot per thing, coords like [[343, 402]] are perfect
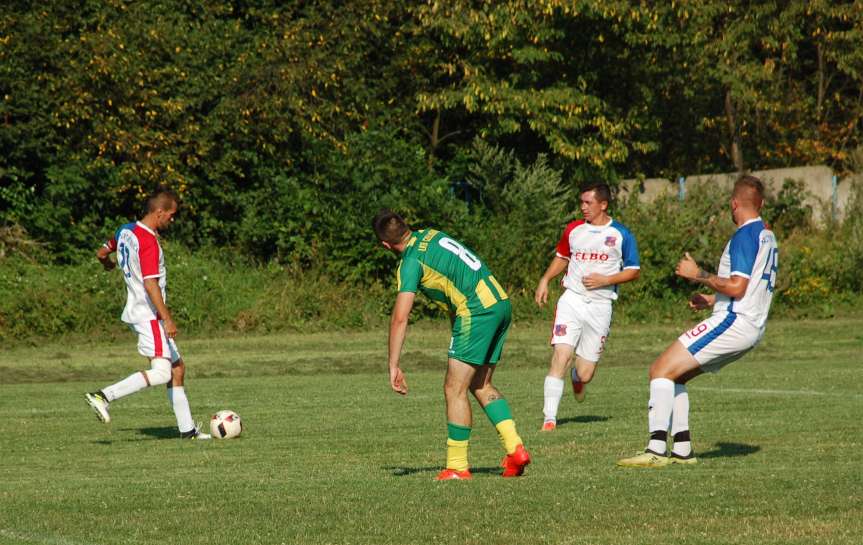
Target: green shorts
[[478, 339]]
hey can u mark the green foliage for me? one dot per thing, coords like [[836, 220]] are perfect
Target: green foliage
[[521, 213], [787, 212], [664, 229], [285, 126]]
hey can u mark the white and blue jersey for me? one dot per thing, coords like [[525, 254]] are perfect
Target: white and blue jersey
[[737, 325], [751, 253], [582, 317]]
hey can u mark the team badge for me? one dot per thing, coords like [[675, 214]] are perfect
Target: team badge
[[559, 330], [610, 241]]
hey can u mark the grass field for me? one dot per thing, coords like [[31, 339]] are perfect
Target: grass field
[[329, 455]]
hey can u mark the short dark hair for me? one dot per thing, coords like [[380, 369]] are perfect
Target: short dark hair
[[161, 199], [600, 189], [750, 189], [389, 226]]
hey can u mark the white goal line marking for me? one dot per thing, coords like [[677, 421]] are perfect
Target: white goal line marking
[[777, 392]]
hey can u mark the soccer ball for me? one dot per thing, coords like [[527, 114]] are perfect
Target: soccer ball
[[226, 425]]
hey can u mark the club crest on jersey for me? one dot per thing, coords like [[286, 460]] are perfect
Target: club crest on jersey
[[610, 241], [559, 330]]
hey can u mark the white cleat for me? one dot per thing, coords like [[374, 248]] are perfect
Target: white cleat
[[196, 433], [99, 405]]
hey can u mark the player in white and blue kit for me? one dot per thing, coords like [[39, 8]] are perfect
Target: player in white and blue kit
[[598, 254], [743, 287]]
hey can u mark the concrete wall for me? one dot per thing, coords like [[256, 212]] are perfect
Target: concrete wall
[[818, 181]]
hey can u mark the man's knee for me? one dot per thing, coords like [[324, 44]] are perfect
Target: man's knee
[[674, 363], [159, 372], [454, 389], [584, 369], [560, 359]]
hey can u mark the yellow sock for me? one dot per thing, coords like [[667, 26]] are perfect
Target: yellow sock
[[456, 455], [508, 436]]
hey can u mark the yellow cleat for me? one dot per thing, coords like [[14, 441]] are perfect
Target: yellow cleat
[[683, 460], [645, 459]]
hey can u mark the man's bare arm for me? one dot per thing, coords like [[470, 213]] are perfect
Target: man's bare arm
[[103, 254], [735, 286], [151, 286]]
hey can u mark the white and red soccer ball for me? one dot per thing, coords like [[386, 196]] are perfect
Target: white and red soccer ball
[[226, 425]]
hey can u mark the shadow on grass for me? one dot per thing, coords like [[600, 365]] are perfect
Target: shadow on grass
[[157, 433], [583, 419], [401, 471], [730, 450]]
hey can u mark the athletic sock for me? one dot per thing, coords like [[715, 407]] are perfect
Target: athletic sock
[[553, 392], [180, 403], [680, 422], [457, 441], [659, 413], [129, 385], [501, 418]]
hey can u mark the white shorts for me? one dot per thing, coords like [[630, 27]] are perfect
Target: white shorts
[[152, 341], [581, 323], [720, 340]]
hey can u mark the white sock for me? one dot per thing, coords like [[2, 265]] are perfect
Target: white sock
[[553, 393], [659, 413], [129, 385], [180, 403], [680, 422]]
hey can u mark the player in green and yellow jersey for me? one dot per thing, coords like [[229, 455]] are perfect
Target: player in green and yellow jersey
[[451, 275]]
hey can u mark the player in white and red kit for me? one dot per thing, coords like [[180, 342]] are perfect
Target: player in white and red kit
[[142, 262], [743, 290], [598, 254]]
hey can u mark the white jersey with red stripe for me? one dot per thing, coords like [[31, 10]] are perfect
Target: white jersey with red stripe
[[139, 256], [603, 249], [751, 253]]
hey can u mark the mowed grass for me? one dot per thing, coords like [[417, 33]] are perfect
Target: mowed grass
[[330, 455]]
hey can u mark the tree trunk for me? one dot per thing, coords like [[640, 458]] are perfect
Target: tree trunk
[[822, 87], [733, 135], [434, 139]]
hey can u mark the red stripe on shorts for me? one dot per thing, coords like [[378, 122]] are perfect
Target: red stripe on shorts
[[157, 338]]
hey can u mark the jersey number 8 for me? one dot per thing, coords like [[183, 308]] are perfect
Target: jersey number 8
[[469, 259]]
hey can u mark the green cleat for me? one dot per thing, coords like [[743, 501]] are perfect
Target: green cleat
[[683, 460], [647, 458]]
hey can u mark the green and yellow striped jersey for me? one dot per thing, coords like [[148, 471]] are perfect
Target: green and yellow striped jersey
[[448, 273]]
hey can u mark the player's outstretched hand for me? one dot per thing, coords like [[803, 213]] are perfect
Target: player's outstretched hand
[[170, 327], [687, 268], [700, 301], [541, 293], [398, 382]]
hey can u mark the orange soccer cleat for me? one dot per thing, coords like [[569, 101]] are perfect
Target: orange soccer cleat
[[514, 464], [453, 475], [548, 425]]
